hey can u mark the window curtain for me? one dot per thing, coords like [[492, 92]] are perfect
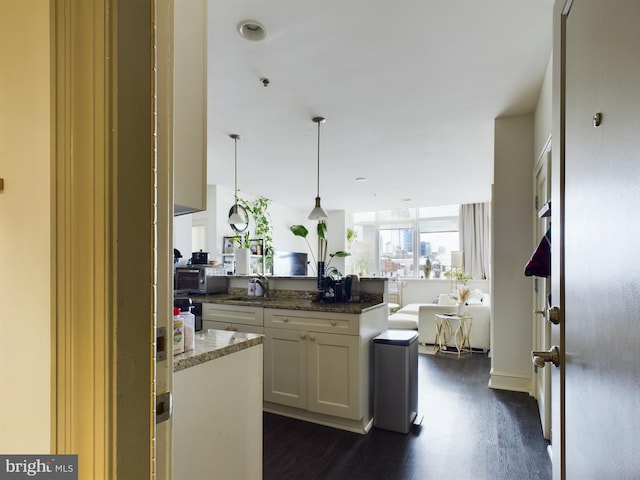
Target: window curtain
[[475, 239]]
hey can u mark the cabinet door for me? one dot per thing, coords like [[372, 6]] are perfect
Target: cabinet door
[[285, 367], [334, 383], [190, 102]]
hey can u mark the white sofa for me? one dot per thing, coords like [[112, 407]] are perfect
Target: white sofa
[[421, 316]]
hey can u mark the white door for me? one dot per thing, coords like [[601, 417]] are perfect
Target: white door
[[333, 374], [541, 288], [601, 262], [285, 367]]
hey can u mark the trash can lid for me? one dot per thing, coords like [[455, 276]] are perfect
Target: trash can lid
[[396, 337]]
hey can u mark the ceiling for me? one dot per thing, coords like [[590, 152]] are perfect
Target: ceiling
[[409, 90]]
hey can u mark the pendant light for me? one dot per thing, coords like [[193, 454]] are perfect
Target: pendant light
[[235, 218], [318, 213]]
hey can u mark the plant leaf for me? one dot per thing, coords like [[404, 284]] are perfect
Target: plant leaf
[[322, 230], [299, 230], [339, 254]]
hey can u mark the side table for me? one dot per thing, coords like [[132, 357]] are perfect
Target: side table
[[461, 335]]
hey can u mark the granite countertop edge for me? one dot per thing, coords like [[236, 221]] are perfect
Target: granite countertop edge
[[290, 303], [212, 344]]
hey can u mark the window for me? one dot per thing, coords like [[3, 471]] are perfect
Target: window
[[398, 242]]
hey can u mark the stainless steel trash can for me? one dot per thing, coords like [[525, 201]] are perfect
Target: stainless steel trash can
[[395, 380]]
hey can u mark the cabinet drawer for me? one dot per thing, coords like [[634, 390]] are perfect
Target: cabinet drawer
[[342, 323], [233, 314], [232, 327]]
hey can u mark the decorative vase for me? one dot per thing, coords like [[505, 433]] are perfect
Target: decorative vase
[[462, 309], [243, 261], [321, 273]]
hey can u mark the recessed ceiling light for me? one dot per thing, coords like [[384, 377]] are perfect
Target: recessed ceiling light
[[361, 179], [406, 199], [252, 30]]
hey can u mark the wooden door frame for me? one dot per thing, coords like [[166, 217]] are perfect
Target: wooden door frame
[[560, 13], [111, 217], [541, 322]]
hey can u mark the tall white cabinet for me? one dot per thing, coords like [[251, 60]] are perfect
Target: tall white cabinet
[[190, 106]]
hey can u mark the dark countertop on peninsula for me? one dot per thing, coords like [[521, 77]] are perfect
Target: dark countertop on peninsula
[[212, 344], [290, 302]]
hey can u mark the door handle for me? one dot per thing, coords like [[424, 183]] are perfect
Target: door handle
[[540, 359]]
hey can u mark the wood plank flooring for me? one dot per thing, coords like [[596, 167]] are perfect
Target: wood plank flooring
[[469, 432]]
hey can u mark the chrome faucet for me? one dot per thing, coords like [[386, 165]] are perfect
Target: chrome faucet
[[263, 282]]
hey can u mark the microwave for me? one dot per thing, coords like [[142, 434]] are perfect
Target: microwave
[[200, 279]]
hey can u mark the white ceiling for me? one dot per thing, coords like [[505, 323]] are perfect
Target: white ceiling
[[409, 88]]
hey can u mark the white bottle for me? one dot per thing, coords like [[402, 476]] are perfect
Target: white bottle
[[189, 322], [178, 332]]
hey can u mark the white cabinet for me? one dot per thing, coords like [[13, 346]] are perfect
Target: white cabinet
[[312, 370], [233, 317], [217, 420], [318, 365], [189, 110]]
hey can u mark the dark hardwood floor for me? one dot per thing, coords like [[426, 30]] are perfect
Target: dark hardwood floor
[[469, 432]]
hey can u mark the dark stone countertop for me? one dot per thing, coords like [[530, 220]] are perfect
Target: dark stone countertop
[[303, 301]]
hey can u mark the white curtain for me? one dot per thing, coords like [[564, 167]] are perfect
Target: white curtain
[[475, 239]]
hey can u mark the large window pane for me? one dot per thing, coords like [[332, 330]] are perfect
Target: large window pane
[[438, 247], [399, 242], [397, 252]]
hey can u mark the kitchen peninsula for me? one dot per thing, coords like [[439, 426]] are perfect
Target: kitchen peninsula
[[217, 407], [318, 357]]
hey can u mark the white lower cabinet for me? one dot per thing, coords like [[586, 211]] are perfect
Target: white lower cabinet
[[318, 365], [314, 371]]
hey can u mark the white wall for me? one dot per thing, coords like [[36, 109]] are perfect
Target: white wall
[[542, 116], [219, 201], [25, 228], [512, 231]]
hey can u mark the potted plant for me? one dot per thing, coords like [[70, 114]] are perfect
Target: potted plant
[[259, 210], [321, 261], [243, 254], [427, 268]]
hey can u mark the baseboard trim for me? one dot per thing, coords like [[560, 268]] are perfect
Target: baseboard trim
[[509, 381], [361, 426]]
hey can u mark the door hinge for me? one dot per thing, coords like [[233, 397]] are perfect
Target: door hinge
[[537, 202], [163, 407]]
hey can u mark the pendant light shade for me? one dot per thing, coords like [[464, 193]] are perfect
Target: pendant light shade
[[318, 213], [235, 218]]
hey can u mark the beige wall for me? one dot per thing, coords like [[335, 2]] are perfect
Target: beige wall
[[25, 321]]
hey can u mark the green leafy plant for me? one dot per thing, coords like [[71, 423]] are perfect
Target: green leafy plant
[[458, 274], [242, 240], [302, 231], [259, 210]]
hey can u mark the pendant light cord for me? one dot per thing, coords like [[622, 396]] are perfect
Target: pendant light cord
[[235, 186], [318, 176]]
